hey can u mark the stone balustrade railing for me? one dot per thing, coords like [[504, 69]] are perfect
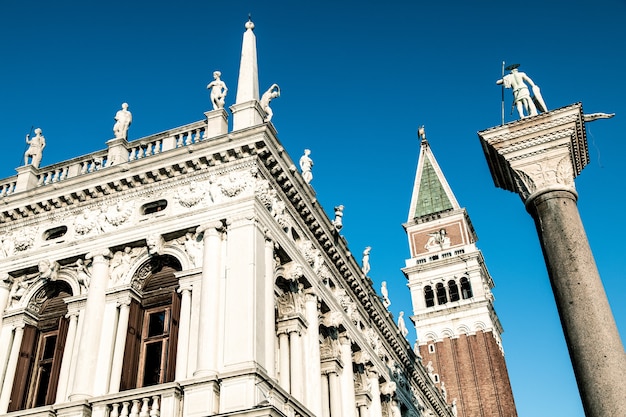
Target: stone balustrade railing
[[8, 186], [122, 152], [154, 401]]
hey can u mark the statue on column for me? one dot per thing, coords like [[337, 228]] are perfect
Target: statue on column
[[218, 91], [269, 95], [306, 163], [35, 148], [123, 119], [522, 99]]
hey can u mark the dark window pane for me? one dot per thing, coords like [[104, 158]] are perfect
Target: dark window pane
[[156, 326], [49, 345], [152, 364], [44, 380]]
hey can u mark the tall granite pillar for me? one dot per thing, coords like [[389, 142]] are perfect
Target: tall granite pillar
[[538, 158]]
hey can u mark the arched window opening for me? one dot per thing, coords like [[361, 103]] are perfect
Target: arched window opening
[[442, 297], [429, 296], [466, 288], [41, 351], [453, 290], [150, 355]]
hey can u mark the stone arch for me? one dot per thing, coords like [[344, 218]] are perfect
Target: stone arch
[[480, 326], [44, 291], [447, 333], [430, 336], [463, 329], [147, 265]]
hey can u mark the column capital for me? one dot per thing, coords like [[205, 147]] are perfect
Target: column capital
[[213, 228], [99, 255], [538, 154]]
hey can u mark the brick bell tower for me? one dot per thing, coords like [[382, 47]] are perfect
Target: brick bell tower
[[457, 327]]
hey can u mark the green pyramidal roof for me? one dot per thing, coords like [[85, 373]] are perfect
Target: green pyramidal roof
[[432, 197]]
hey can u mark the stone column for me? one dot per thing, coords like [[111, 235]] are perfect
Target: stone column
[[325, 397], [283, 364], [66, 362], [109, 331], [347, 378], [89, 342], [182, 351], [334, 387], [120, 345], [376, 406], [5, 288], [6, 341], [313, 392], [7, 386], [296, 366], [539, 157], [270, 319], [206, 363]]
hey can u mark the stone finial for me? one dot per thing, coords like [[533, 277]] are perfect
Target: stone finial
[[35, 148], [526, 104]]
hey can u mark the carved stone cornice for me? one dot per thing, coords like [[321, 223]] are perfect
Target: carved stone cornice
[[538, 154]]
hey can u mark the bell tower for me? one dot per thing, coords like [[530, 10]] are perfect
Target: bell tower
[[457, 327]]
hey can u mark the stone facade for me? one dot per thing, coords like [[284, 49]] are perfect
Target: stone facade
[[192, 273]]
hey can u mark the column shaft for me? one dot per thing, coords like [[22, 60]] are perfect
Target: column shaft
[[270, 319], [89, 342], [296, 366], [206, 363], [594, 343], [6, 341], [120, 345], [347, 379], [182, 351], [334, 387], [325, 396], [7, 387], [313, 391], [376, 406], [283, 344], [66, 362]]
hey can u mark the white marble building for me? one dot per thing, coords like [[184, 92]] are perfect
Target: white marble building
[[191, 273]]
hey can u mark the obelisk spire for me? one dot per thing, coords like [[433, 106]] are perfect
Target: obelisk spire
[[248, 84], [247, 110]]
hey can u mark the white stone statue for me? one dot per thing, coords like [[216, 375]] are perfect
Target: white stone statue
[[366, 260], [123, 119], [194, 249], [522, 99], [385, 294], [444, 391], [401, 325], [35, 148], [218, 91], [306, 163], [269, 95], [454, 409], [430, 369], [338, 221]]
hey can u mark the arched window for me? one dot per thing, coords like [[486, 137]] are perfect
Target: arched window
[[150, 354], [466, 288], [442, 297], [41, 351], [453, 290], [429, 296]]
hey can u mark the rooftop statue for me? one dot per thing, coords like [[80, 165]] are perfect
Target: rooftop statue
[[123, 119], [269, 95], [366, 260], [306, 163], [35, 148], [526, 104], [218, 91]]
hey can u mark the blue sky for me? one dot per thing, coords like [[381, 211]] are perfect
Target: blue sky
[[356, 79]]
